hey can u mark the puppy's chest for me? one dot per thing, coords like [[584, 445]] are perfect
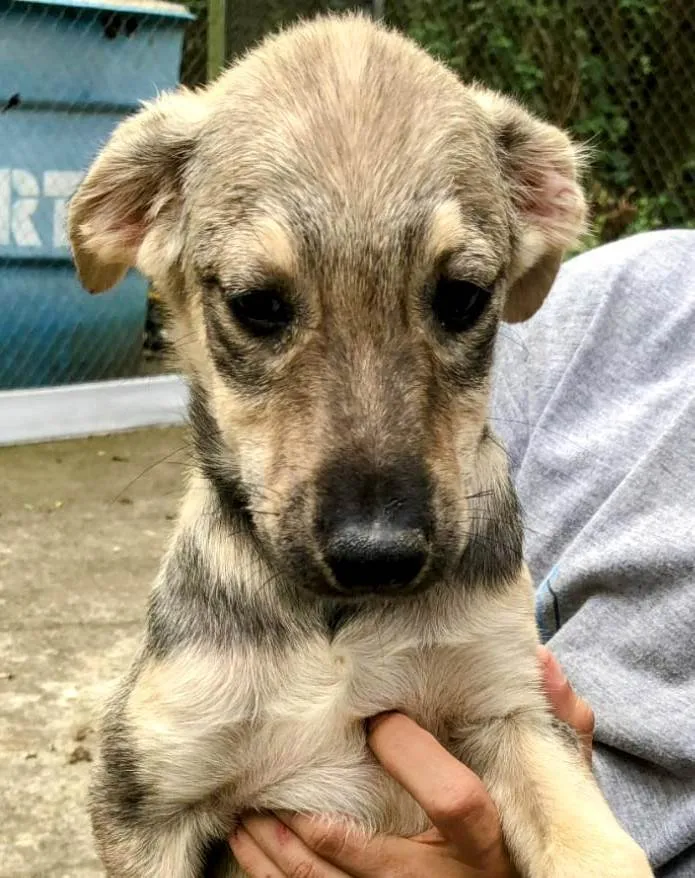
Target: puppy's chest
[[309, 746], [285, 729], [349, 681]]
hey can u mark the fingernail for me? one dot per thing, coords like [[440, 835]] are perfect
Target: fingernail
[[255, 817], [246, 821], [554, 675], [373, 722]]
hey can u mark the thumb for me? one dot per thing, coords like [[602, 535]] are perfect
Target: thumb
[[566, 704]]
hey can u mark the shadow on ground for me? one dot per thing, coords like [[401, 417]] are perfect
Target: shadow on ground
[[82, 528]]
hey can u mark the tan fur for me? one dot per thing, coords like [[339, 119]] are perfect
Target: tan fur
[[342, 163]]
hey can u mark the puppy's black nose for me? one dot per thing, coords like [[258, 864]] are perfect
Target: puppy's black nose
[[373, 526], [377, 555]]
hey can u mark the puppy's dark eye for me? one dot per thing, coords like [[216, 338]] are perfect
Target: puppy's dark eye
[[458, 304], [262, 312]]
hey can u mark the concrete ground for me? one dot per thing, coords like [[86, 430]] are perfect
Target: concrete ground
[[82, 528]]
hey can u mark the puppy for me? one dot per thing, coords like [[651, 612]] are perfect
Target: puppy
[[338, 225]]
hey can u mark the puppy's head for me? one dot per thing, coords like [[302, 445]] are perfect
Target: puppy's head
[[338, 226]]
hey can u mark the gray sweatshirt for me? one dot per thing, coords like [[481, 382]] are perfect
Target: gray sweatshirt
[[595, 400]]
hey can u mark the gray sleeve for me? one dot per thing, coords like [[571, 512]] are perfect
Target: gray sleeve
[[595, 399], [682, 867]]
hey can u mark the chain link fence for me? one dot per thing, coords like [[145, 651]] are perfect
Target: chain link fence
[[620, 75], [70, 70]]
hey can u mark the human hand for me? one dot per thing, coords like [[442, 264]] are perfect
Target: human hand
[[465, 840]]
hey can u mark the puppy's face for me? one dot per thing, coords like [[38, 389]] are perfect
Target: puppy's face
[[339, 225]]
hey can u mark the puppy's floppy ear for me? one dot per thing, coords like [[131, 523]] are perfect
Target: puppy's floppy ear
[[542, 168], [130, 200]]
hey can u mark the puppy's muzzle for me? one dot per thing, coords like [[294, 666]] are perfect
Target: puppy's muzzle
[[373, 527]]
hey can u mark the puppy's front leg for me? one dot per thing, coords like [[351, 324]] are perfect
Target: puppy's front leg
[[555, 820], [133, 845], [169, 745]]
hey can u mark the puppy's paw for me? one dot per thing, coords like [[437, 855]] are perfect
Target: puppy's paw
[[616, 859]]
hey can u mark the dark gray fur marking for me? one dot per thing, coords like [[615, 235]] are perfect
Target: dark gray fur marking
[[495, 549], [121, 794], [194, 606]]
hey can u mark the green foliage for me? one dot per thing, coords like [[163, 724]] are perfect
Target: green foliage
[[194, 57], [277, 13], [614, 74]]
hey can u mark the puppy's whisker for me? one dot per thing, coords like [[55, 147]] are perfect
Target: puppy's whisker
[[496, 543], [512, 336], [266, 585], [565, 437], [496, 521], [149, 468], [486, 493], [265, 494], [186, 337]]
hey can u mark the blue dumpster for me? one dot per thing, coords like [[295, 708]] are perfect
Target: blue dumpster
[[69, 72]]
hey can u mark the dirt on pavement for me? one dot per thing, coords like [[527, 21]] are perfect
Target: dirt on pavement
[[83, 525]]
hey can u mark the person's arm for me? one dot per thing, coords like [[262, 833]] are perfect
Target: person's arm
[[595, 399], [465, 840]]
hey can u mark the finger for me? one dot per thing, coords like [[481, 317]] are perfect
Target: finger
[[566, 704], [287, 851], [451, 795], [357, 854], [361, 856], [251, 858]]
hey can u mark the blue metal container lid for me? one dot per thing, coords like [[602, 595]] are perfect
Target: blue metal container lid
[[160, 8]]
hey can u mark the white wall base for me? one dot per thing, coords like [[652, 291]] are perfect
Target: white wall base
[[43, 414]]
